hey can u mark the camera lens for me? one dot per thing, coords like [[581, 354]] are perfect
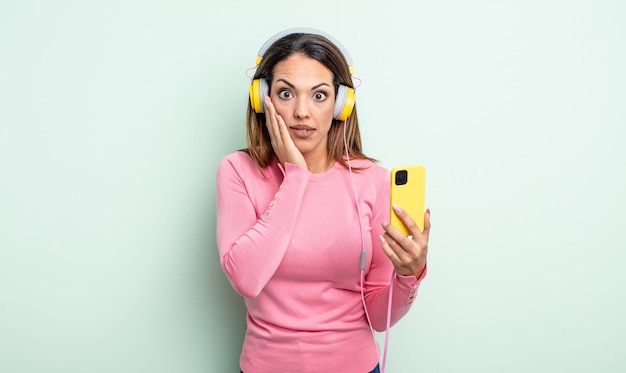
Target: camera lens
[[402, 177]]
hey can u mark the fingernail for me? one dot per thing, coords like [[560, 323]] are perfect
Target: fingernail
[[381, 238], [397, 209], [384, 224]]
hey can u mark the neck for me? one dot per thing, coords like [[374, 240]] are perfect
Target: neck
[[317, 166]]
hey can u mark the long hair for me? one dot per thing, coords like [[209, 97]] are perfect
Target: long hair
[[328, 54]]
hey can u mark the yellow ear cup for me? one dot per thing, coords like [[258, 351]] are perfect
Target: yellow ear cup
[[255, 96], [344, 103]]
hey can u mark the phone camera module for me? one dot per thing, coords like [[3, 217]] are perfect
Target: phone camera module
[[402, 177]]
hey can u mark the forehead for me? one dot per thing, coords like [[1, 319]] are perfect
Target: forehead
[[298, 67]]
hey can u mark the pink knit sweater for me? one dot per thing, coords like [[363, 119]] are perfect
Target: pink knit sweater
[[290, 244]]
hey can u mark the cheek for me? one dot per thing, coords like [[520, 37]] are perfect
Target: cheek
[[327, 110], [281, 108]]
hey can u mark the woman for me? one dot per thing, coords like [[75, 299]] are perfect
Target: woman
[[289, 230]]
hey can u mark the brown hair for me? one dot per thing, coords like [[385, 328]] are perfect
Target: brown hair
[[328, 54]]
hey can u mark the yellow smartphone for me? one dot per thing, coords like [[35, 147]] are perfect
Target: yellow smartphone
[[408, 190]]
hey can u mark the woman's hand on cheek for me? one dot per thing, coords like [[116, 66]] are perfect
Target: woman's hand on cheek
[[408, 254], [282, 143]]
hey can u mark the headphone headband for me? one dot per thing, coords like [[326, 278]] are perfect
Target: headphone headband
[[305, 30]]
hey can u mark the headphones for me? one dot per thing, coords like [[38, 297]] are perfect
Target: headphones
[[346, 98]]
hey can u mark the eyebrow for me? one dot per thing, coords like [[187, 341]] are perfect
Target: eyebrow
[[293, 86]]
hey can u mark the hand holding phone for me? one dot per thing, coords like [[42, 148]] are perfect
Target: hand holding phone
[[408, 190]]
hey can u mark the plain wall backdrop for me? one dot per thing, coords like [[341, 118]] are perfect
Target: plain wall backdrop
[[114, 115]]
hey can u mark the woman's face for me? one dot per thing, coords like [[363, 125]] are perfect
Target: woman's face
[[303, 94]]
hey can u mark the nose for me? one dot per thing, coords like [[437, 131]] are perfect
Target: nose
[[301, 109]]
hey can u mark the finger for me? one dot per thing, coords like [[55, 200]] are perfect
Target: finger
[[408, 221], [391, 254], [403, 248], [270, 118], [278, 126], [404, 263], [283, 130], [395, 236], [426, 231], [279, 135], [398, 242]]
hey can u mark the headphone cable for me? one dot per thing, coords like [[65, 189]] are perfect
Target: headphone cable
[[362, 265]]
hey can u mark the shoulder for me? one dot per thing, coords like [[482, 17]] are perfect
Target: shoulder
[[240, 165], [369, 175], [369, 168], [236, 157], [238, 162]]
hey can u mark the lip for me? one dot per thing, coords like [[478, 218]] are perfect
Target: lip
[[302, 130]]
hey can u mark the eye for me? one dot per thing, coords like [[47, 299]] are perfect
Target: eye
[[284, 94], [320, 96]]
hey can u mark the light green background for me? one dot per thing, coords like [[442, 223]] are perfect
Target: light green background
[[114, 115]]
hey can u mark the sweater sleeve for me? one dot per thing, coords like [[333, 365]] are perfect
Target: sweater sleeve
[[381, 276], [251, 247]]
